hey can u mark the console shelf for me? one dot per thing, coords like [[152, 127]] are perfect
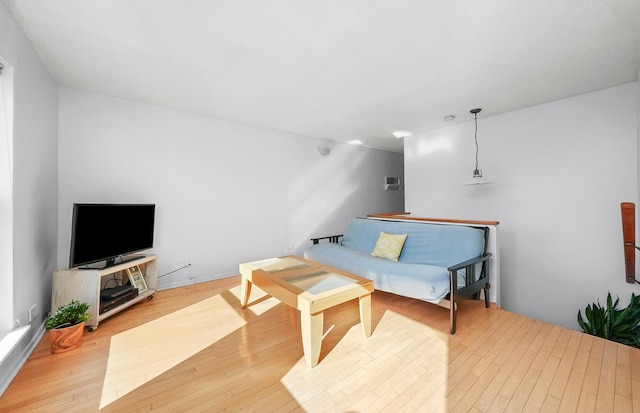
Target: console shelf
[[85, 285]]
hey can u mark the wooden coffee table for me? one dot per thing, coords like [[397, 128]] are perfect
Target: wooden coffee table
[[310, 288]]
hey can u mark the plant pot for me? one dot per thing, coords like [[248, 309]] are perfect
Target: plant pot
[[67, 338]]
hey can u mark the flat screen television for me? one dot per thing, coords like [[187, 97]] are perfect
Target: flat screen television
[[104, 232]]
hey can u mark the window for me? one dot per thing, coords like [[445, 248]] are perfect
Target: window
[[6, 198]]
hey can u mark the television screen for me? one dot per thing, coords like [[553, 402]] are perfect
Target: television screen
[[104, 232]]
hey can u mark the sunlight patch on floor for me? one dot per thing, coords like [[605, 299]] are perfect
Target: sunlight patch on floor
[[9, 341], [143, 353], [259, 301], [351, 371]]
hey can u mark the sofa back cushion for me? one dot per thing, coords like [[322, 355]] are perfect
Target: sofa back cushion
[[436, 244]]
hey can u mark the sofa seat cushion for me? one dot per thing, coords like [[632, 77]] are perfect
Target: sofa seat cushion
[[420, 281]]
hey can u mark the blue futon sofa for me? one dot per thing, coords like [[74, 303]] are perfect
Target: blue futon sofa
[[438, 263]]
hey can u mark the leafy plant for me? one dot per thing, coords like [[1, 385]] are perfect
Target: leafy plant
[[68, 315], [611, 323]]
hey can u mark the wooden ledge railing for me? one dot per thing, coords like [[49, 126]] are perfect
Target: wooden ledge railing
[[405, 215]]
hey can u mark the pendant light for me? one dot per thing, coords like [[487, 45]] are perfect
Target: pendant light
[[477, 178]]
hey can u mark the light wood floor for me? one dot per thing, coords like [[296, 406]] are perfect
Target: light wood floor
[[497, 361]]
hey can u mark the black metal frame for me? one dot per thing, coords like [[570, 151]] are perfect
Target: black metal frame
[[331, 238], [471, 288]]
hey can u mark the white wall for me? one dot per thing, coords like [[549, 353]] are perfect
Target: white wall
[[561, 170], [226, 193], [35, 183]]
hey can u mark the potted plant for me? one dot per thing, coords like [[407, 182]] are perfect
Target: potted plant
[[612, 323], [66, 326]]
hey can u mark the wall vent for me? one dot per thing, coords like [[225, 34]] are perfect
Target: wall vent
[[392, 184]]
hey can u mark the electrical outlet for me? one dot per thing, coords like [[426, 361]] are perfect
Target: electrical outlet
[[33, 312], [290, 249]]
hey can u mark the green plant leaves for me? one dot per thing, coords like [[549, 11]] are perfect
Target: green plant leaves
[[611, 323], [68, 315]]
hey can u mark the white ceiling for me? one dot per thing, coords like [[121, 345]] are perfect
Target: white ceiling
[[337, 69]]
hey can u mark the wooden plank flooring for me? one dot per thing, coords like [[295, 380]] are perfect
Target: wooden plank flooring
[[497, 361]]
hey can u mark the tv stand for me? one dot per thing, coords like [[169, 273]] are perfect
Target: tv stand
[[85, 285]]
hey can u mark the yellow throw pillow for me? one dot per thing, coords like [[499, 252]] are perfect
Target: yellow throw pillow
[[389, 246]]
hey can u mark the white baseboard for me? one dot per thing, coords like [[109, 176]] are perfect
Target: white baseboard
[[194, 280]]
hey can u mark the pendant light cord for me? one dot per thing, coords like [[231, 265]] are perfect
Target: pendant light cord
[[477, 178], [475, 115], [476, 172]]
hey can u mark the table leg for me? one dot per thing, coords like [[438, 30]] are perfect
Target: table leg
[[312, 325], [365, 314], [245, 291]]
